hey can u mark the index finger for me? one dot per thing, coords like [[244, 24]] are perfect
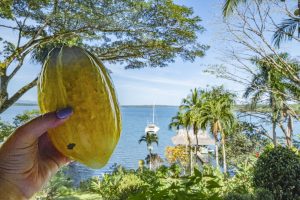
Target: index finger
[[36, 127]]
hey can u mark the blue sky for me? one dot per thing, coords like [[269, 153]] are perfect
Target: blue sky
[[164, 86]]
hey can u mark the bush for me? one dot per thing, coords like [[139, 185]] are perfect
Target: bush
[[59, 185], [116, 186], [278, 170], [237, 196], [241, 182], [260, 194], [90, 185]]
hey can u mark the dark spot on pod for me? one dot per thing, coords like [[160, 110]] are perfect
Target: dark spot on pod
[[71, 146]]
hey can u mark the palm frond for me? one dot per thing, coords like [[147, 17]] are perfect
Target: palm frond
[[286, 30], [229, 6]]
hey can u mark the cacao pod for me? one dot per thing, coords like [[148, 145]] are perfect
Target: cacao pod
[[74, 77]]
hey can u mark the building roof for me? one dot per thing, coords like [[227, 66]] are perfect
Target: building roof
[[203, 138]]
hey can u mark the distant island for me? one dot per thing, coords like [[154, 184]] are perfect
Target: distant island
[[238, 108]]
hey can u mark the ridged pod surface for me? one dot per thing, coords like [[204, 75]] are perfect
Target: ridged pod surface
[[74, 77]]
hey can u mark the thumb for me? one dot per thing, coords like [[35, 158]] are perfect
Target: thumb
[[36, 127]]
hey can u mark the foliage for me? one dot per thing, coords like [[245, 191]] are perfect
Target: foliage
[[182, 120], [7, 128], [260, 194], [89, 185], [278, 170], [155, 159], [169, 183], [245, 143], [59, 185], [217, 114], [135, 33], [286, 30], [241, 182], [177, 154], [273, 87], [118, 185], [25, 117], [149, 138], [198, 186]]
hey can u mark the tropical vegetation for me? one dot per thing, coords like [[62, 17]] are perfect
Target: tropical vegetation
[[254, 163]]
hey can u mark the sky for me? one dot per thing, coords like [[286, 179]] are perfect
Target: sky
[[160, 86]]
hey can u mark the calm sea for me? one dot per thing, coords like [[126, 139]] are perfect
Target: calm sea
[[128, 151]]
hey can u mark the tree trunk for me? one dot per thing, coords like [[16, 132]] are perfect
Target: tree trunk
[[217, 154], [150, 166], [190, 152], [191, 161], [196, 134], [274, 133], [224, 154], [289, 136], [3, 86]]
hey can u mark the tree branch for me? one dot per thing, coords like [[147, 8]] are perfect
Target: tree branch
[[17, 95], [19, 65]]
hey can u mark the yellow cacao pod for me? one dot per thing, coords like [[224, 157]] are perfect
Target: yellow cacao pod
[[74, 77]]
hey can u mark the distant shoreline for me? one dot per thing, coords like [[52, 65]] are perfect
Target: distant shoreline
[[25, 104], [240, 108], [35, 104]]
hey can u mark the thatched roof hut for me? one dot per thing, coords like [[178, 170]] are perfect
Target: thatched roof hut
[[203, 138]]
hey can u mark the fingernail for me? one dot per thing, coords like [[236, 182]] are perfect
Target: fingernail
[[64, 113]]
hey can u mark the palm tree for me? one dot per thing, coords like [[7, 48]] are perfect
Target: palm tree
[[182, 121], [149, 139], [192, 105], [271, 84], [217, 114], [154, 160]]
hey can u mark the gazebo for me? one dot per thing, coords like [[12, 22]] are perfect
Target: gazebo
[[204, 140]]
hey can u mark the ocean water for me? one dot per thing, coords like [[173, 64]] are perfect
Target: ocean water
[[128, 151]]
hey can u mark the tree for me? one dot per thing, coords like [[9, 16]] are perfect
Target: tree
[[149, 139], [286, 30], [191, 105], [177, 155], [137, 33], [272, 86], [248, 37], [244, 141], [182, 121], [154, 160], [217, 114]]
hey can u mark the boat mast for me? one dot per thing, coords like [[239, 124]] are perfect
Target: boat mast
[[153, 113]]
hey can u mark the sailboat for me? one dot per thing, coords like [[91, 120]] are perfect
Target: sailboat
[[151, 127]]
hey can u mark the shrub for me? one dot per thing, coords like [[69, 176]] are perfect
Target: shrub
[[237, 196], [90, 185], [241, 182], [116, 186], [278, 170], [130, 184], [262, 194], [59, 185]]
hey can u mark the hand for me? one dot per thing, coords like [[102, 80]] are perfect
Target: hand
[[28, 159]]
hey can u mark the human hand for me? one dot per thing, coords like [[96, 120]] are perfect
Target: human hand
[[28, 159]]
